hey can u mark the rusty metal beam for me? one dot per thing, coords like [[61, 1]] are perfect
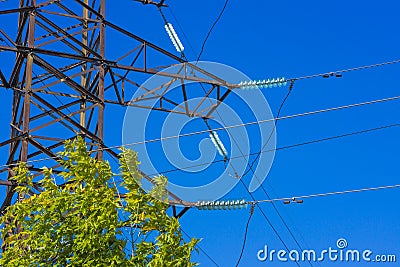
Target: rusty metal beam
[[82, 83], [16, 10], [68, 35], [183, 211], [225, 95], [45, 76], [4, 80], [49, 112], [115, 65], [55, 33], [151, 2], [45, 65], [12, 140]]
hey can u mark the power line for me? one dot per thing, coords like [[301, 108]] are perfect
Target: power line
[[172, 35], [201, 249], [212, 27], [300, 198], [254, 84], [200, 55], [286, 147], [181, 29], [255, 175], [294, 226], [258, 155], [249, 154], [256, 122], [263, 121], [281, 218], [251, 195], [327, 194], [279, 82], [272, 132], [245, 234], [230, 163], [289, 146], [237, 125], [332, 73], [266, 219], [291, 85], [241, 180], [369, 66], [335, 137]]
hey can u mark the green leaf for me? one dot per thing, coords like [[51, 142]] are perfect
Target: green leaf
[[80, 224]]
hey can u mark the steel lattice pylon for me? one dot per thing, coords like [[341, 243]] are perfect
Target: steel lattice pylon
[[62, 80]]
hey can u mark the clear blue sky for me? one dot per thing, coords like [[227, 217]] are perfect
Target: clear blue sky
[[268, 39]]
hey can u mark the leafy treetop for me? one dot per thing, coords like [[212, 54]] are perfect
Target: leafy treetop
[[79, 223]]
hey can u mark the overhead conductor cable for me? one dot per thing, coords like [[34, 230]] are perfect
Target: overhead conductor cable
[[174, 37]]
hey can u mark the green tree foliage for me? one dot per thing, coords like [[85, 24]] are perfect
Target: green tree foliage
[[78, 224]]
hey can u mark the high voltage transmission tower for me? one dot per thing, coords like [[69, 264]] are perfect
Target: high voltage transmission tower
[[62, 80]]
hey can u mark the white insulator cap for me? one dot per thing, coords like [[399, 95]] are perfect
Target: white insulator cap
[[218, 144], [174, 37]]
